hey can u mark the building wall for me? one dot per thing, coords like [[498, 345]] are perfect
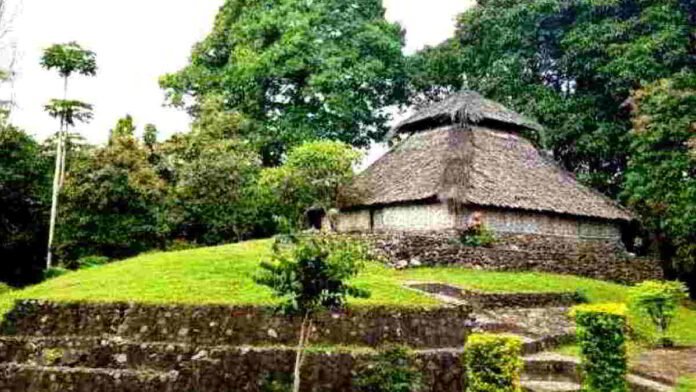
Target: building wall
[[542, 223], [354, 221], [415, 217], [437, 216]]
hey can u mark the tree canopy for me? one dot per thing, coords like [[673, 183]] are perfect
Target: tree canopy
[[299, 70], [568, 64]]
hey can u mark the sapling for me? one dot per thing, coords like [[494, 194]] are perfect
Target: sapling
[[309, 277]]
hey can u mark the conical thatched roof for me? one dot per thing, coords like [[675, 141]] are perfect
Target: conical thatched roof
[[476, 165], [465, 107]]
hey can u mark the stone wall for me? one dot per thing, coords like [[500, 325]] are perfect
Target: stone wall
[[519, 252], [202, 369], [238, 325]]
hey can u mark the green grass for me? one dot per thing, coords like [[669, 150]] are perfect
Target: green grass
[[222, 275]]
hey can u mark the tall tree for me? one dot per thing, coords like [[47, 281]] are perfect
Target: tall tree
[[570, 64], [661, 176], [299, 70], [66, 59]]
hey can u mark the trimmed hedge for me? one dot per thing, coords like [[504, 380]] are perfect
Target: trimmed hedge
[[600, 331], [493, 363]]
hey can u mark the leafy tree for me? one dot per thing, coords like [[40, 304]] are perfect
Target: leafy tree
[[568, 64], [313, 277], [125, 127], [213, 199], [24, 196], [661, 175], [298, 70], [66, 59], [311, 176], [113, 203]]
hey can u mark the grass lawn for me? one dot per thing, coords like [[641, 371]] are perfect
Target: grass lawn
[[222, 275]]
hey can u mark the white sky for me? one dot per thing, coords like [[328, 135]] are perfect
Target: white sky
[[136, 41]]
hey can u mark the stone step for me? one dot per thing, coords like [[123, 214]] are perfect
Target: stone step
[[547, 366], [23, 378], [642, 384], [550, 386]]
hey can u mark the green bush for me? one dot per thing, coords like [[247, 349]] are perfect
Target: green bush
[[390, 371], [600, 331], [479, 235], [653, 305], [493, 363]]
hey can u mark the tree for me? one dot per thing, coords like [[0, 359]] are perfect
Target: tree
[[310, 177], [661, 175], [113, 203], [298, 70], [24, 196], [568, 64], [7, 58], [311, 279], [66, 59]]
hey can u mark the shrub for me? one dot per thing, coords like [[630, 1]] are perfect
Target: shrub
[[600, 331], [657, 303], [493, 363], [479, 235], [390, 371]]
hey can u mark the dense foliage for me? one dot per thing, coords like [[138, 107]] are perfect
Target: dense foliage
[[600, 331], [658, 302], [298, 70], [493, 363], [570, 65], [310, 177], [24, 197], [111, 203], [390, 371], [661, 175]]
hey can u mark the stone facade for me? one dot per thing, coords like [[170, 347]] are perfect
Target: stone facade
[[599, 259], [419, 217]]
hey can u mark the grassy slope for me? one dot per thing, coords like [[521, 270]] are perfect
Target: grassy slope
[[222, 275]]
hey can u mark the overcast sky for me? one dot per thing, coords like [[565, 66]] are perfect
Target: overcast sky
[[136, 41]]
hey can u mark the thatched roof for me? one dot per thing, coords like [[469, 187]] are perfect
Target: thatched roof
[[476, 165], [466, 106]]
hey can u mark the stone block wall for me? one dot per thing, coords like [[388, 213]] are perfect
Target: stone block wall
[[605, 260], [239, 325], [203, 369]]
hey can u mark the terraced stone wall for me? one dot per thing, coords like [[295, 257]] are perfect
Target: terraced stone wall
[[605, 260], [239, 325]]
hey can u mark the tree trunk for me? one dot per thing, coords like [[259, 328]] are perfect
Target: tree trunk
[[64, 137], [57, 179], [54, 199], [299, 356]]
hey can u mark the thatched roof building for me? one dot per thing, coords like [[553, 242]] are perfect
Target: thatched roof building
[[468, 154]]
